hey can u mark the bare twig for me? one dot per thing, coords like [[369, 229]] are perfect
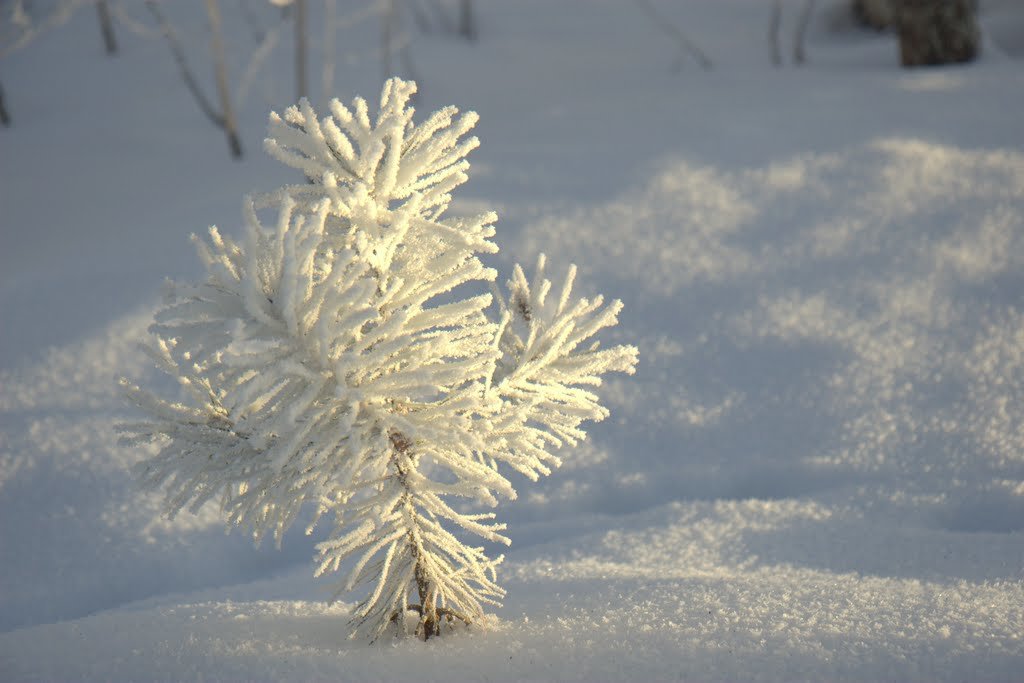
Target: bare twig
[[29, 31], [685, 44], [229, 124], [259, 55], [799, 54], [124, 19], [5, 118], [106, 26], [186, 73]]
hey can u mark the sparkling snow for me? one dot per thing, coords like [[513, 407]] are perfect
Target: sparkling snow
[[816, 474]]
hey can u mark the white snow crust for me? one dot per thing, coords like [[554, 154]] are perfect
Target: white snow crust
[[817, 472]]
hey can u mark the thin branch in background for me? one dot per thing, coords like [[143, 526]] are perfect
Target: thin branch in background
[[225, 118], [799, 53], [27, 30], [5, 118], [179, 57], [125, 20], [106, 26], [773, 32], [467, 24], [229, 124], [270, 39], [685, 44]]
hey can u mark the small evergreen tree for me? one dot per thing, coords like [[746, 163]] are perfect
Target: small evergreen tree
[[339, 359]]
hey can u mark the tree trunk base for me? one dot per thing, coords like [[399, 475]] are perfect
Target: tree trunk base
[[936, 32], [430, 624]]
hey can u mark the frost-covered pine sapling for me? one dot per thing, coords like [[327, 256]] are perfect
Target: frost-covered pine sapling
[[338, 359]]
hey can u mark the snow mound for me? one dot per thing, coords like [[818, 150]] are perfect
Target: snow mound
[[677, 592], [816, 474]]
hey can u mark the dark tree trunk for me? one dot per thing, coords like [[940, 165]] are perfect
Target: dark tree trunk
[[5, 118], [429, 624], [106, 27], [876, 14], [800, 38], [467, 25], [937, 31]]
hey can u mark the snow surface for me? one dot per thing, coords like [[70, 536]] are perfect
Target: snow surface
[[817, 472]]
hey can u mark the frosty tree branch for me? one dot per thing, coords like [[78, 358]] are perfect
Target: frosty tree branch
[[337, 358]]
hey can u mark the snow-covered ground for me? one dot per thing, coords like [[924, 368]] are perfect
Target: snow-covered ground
[[817, 472]]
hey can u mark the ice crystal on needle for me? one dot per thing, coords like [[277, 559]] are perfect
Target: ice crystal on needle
[[333, 360]]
